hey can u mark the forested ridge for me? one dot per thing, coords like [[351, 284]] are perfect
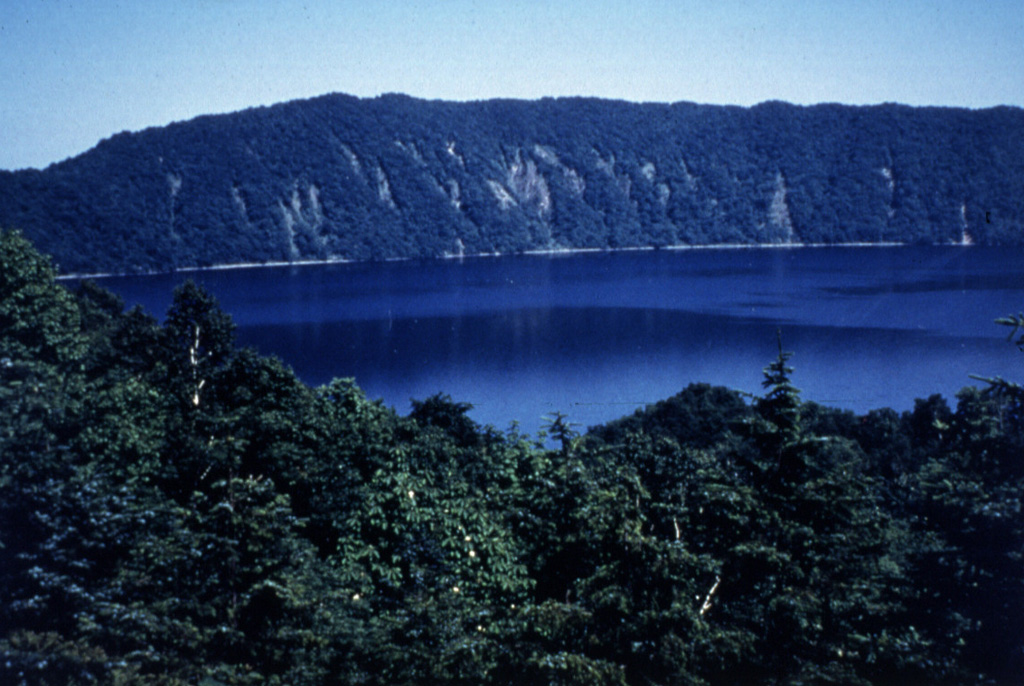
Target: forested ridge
[[342, 178], [175, 510]]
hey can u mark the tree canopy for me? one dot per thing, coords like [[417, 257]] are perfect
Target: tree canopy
[[175, 510], [338, 177]]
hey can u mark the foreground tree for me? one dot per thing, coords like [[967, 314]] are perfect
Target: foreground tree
[[177, 511]]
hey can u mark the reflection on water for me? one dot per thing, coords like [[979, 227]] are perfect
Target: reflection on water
[[598, 335]]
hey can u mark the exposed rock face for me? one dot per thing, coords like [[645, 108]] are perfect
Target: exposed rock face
[[529, 186], [778, 213], [339, 177]]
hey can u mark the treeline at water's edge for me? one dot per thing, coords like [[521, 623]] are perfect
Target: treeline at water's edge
[[344, 178], [176, 510]]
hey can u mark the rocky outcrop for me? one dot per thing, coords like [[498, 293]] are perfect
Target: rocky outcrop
[[343, 178]]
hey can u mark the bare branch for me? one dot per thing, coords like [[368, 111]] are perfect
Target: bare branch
[[707, 599]]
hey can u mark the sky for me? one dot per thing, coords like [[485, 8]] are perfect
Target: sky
[[75, 72]]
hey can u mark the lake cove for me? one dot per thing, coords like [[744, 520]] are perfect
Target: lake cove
[[595, 336]]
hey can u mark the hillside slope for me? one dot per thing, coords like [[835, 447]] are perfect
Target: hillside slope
[[338, 177]]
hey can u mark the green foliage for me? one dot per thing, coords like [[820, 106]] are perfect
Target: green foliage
[[1016, 322], [177, 511], [39, 321], [779, 408], [339, 177], [442, 412]]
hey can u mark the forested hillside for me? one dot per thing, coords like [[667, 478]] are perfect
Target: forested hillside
[[175, 510], [342, 178]]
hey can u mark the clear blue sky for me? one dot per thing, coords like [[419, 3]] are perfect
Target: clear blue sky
[[72, 73]]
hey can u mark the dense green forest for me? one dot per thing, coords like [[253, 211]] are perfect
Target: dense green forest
[[175, 510], [339, 177]]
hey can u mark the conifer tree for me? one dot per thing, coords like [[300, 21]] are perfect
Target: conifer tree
[[779, 407]]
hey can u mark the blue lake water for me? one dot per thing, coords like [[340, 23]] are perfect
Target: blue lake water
[[597, 335]]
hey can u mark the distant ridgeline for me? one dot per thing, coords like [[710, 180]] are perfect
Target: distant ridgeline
[[339, 177]]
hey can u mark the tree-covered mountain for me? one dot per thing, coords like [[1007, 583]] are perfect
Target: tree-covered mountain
[[338, 177], [175, 510]]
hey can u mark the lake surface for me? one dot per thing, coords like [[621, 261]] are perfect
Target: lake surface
[[597, 335]]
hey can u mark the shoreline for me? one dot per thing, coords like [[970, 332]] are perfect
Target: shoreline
[[550, 252]]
